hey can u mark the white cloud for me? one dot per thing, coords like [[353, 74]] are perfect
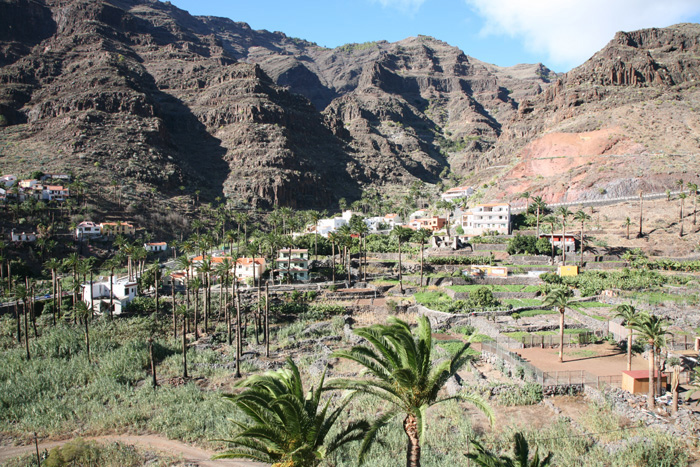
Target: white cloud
[[406, 6], [571, 31]]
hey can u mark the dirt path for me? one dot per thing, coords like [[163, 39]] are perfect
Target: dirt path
[[190, 454]]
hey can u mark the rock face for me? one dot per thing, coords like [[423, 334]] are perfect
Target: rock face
[[142, 93]]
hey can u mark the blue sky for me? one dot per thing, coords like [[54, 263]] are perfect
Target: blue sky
[[559, 33]]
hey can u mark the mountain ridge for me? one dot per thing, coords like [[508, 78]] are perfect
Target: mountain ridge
[[172, 104]]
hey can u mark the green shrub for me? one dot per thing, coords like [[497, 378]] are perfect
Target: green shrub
[[527, 394]]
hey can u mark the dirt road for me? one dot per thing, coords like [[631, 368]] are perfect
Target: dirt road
[[190, 454]]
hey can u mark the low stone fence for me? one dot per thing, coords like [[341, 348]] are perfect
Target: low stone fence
[[530, 260], [499, 295], [489, 246]]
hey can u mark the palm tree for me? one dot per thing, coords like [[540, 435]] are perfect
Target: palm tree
[[521, 455], [404, 377], [196, 284], [333, 238], [183, 311], [288, 426], [629, 315], [205, 269], [564, 213], [72, 262], [402, 234], [541, 207], [422, 236], [560, 298], [83, 313], [652, 328], [526, 196], [223, 270], [112, 264], [446, 207], [551, 220], [627, 224], [52, 265], [22, 293], [314, 217], [582, 217]]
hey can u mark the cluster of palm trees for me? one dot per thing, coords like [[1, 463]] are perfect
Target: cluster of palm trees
[[654, 330], [287, 425]]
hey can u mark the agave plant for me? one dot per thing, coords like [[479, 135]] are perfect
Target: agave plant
[[287, 427]]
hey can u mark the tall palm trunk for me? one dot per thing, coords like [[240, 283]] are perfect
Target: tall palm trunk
[[111, 293], [421, 264], [196, 313], [267, 320], [538, 220], [629, 349], [650, 394], [207, 304], [87, 336], [26, 326], [184, 346], [641, 214], [410, 426], [239, 344], [400, 275], [563, 242], [561, 335], [333, 261], [172, 296]]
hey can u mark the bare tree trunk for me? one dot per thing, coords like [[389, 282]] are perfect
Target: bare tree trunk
[[153, 362], [641, 212], [400, 276], [172, 294], [26, 327]]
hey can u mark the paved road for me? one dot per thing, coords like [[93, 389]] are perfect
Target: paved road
[[190, 454]]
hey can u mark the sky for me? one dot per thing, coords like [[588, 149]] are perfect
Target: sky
[[562, 34]]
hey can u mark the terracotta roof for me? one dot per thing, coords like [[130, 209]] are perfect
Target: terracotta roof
[[55, 188], [639, 374], [249, 261], [157, 244], [214, 259], [390, 216]]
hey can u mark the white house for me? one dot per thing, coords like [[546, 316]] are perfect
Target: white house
[[123, 292], [485, 218], [294, 262], [326, 226], [246, 267], [22, 236], [28, 183], [155, 247], [87, 229], [392, 220], [54, 193], [457, 192], [8, 180]]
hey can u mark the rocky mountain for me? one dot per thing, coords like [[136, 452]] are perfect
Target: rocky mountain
[[142, 93]]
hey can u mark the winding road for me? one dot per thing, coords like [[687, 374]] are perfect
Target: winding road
[[190, 454]]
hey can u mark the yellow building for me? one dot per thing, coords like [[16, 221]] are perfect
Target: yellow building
[[117, 228], [568, 271]]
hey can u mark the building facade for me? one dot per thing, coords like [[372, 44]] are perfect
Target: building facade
[[487, 218]]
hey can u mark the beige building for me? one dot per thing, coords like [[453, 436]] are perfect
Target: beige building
[[486, 218]]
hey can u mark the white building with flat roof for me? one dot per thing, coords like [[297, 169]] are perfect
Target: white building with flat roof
[[457, 192], [123, 292], [487, 218]]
